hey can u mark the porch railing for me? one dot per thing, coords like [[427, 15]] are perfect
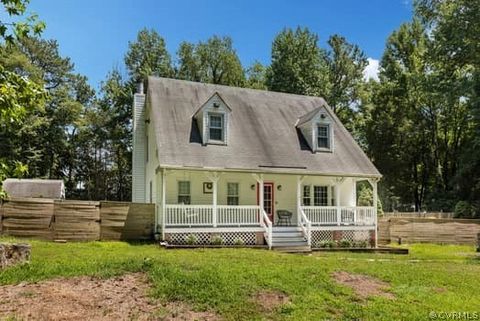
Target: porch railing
[[268, 227], [342, 215], [204, 215], [306, 227]]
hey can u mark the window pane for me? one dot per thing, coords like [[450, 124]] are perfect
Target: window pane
[[232, 189], [323, 136], [184, 188], [216, 121], [320, 196], [182, 199], [232, 200], [216, 134], [306, 195]]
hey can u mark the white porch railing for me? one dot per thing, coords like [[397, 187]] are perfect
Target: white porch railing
[[268, 227], [343, 215], [204, 215], [306, 227]]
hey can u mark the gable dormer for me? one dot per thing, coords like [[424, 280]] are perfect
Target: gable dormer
[[212, 120], [317, 129]]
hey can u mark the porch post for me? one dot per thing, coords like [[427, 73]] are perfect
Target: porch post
[[338, 182], [375, 201], [164, 201], [214, 179], [259, 179], [299, 197]]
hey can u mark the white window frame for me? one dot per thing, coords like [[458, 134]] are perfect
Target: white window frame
[[329, 137], [237, 195], [311, 194], [189, 194], [222, 128]]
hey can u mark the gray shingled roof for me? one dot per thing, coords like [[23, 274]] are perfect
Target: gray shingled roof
[[39, 188], [262, 132]]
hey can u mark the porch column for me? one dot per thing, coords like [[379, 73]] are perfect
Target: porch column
[[259, 179], [338, 182], [373, 182], [164, 201], [214, 177], [299, 197]]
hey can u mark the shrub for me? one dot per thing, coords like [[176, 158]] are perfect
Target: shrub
[[191, 239], [344, 243], [239, 242], [361, 244], [216, 240], [325, 244], [463, 209]]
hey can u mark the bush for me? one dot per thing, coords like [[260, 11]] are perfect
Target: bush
[[191, 239], [464, 209], [344, 243], [239, 242], [325, 244], [216, 240]]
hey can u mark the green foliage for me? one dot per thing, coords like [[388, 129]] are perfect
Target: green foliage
[[464, 209], [12, 29], [216, 240], [148, 56], [298, 64], [214, 61], [256, 76], [191, 239]]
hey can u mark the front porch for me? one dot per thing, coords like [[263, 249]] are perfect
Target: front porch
[[246, 222]]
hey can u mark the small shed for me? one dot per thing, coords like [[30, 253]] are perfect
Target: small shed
[[38, 188]]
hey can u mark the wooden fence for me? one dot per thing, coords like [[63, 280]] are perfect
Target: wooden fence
[[76, 220], [420, 214], [428, 230]]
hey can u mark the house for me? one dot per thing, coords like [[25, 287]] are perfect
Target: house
[[37, 188], [209, 155]]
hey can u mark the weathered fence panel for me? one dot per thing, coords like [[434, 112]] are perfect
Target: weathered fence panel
[[28, 217], [112, 219], [76, 220], [420, 214], [140, 221], [428, 230]]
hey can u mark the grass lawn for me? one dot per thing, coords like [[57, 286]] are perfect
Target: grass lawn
[[431, 278]]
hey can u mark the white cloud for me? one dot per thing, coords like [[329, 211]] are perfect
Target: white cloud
[[371, 71]]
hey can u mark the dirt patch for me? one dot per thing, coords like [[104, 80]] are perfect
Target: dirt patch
[[270, 300], [88, 298], [364, 286]]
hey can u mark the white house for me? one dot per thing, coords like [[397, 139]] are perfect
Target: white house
[[209, 155]]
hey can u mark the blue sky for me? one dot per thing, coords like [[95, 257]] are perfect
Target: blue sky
[[95, 33]]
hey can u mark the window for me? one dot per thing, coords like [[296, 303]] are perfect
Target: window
[[323, 136], [232, 194], [184, 192], [306, 195], [320, 196], [215, 127]]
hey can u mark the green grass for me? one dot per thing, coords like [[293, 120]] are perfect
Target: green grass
[[431, 278]]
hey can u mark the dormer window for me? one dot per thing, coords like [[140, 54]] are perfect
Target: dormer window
[[216, 127], [317, 128], [323, 136], [213, 120]]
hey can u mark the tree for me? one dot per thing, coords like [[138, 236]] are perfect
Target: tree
[[397, 131], [214, 61], [346, 63], [298, 64], [148, 56], [19, 96], [256, 76]]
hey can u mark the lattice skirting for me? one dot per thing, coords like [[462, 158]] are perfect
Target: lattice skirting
[[205, 238], [356, 238]]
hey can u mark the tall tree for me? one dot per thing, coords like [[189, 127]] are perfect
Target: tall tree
[[148, 56], [214, 61], [298, 64], [346, 63], [256, 76], [397, 132]]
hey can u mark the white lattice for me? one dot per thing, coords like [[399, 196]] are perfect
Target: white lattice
[[228, 238], [239, 238], [349, 238]]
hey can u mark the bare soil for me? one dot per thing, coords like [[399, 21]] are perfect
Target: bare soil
[[271, 300], [88, 298], [363, 285]]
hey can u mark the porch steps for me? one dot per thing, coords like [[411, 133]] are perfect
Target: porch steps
[[289, 239]]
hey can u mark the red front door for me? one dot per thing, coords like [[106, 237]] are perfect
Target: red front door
[[268, 199]]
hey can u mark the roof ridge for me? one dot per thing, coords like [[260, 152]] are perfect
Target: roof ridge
[[236, 87]]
